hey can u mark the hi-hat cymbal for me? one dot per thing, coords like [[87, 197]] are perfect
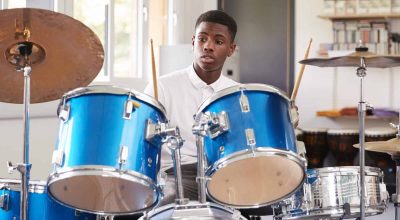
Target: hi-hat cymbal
[[391, 146], [65, 54], [353, 59]]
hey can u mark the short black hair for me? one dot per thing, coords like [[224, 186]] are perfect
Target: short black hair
[[219, 17]]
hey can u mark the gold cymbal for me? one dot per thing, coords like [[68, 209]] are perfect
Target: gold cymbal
[[353, 60], [391, 146], [66, 54]]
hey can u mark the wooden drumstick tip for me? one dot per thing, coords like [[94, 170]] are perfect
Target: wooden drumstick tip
[[297, 83], [154, 75], [135, 104]]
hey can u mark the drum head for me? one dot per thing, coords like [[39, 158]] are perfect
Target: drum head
[[109, 193], [259, 180], [193, 211]]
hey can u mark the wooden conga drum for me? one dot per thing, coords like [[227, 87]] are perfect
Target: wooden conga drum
[[340, 142], [299, 134], [315, 141], [382, 160]]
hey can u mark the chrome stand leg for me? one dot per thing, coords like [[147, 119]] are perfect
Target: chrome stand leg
[[396, 197], [25, 173], [201, 179], [362, 107]]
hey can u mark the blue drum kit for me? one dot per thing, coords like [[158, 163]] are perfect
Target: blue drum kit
[[106, 160]]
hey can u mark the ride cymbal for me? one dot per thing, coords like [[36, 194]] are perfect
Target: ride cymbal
[[353, 60], [391, 146], [65, 54]]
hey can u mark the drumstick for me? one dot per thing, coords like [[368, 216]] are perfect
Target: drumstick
[[153, 66], [297, 84]]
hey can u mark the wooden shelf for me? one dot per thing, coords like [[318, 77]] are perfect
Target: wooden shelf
[[360, 16]]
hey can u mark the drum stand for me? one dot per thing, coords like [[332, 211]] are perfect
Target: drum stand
[[396, 197], [202, 122], [174, 143], [25, 49], [396, 159], [362, 108]]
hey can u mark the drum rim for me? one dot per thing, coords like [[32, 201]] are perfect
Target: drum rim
[[380, 132], [344, 131], [35, 186], [191, 203], [373, 171], [335, 212], [314, 130], [110, 171], [243, 154], [238, 88], [110, 89]]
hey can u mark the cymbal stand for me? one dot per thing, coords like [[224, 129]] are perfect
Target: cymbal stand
[[396, 197], [25, 49], [396, 158], [362, 108]]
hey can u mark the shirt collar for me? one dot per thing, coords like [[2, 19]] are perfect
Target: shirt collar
[[199, 83]]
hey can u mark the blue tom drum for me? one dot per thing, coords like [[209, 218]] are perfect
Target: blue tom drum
[[40, 205], [252, 156], [103, 162]]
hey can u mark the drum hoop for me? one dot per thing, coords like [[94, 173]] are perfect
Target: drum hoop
[[334, 132], [96, 89], [314, 130], [35, 186], [223, 162], [93, 169], [191, 204], [331, 212], [84, 170], [238, 88], [344, 170]]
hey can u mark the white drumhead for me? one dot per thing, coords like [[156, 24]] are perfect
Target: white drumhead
[[193, 211]]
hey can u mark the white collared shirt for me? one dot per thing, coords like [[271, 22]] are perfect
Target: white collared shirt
[[181, 93]]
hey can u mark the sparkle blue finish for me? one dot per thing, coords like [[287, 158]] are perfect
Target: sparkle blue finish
[[268, 117], [40, 207], [96, 130]]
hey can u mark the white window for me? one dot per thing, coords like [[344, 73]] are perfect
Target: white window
[[125, 29]]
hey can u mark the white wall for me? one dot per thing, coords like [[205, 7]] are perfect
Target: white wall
[[186, 15], [318, 86]]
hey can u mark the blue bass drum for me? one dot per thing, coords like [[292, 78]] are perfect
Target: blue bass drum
[[40, 205], [252, 156], [102, 161]]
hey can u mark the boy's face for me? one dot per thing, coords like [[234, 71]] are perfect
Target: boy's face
[[212, 43]]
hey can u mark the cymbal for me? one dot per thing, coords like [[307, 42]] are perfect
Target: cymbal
[[353, 60], [391, 146], [66, 54]]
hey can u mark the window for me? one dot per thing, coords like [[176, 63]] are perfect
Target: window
[[125, 29], [8, 4]]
